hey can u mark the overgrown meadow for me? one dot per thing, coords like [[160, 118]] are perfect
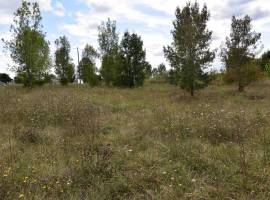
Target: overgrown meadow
[[154, 142]]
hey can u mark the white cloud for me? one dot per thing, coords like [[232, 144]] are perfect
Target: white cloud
[[5, 60], [8, 7], [59, 9], [85, 26], [152, 19]]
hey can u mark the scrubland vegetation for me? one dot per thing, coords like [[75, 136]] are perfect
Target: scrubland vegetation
[[125, 133], [154, 142]]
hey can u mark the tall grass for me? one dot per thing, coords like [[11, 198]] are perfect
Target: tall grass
[[154, 142]]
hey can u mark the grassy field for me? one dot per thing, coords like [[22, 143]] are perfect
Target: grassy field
[[154, 142]]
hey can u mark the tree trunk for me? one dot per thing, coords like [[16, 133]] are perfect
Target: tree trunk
[[30, 80], [192, 91]]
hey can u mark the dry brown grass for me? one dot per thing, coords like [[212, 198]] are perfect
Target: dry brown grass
[[154, 142]]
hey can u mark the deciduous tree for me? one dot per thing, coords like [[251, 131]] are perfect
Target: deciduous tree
[[161, 69], [87, 67], [28, 47], [265, 60], [108, 40], [5, 78], [134, 65], [64, 68], [239, 52], [189, 53]]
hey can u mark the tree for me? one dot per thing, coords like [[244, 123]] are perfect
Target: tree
[[148, 69], [154, 72], [160, 73], [239, 52], [18, 79], [108, 40], [28, 47], [5, 78], [132, 72], [87, 66], [189, 53], [267, 69], [63, 66], [265, 60], [161, 69], [48, 79], [173, 77]]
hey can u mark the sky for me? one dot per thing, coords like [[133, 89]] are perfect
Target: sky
[[151, 19]]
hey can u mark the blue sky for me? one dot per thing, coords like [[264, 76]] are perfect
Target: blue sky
[[152, 19]]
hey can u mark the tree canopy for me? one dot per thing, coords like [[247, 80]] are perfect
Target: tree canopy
[[64, 68], [28, 47], [239, 52], [190, 53], [134, 65], [5, 78], [87, 66], [265, 60], [108, 40]]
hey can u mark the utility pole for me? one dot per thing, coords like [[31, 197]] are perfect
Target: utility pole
[[79, 75]]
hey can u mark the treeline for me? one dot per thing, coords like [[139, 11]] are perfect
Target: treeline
[[123, 61]]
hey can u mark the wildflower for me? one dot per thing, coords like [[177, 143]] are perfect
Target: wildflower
[[193, 180], [69, 182], [130, 150], [21, 196], [164, 172]]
